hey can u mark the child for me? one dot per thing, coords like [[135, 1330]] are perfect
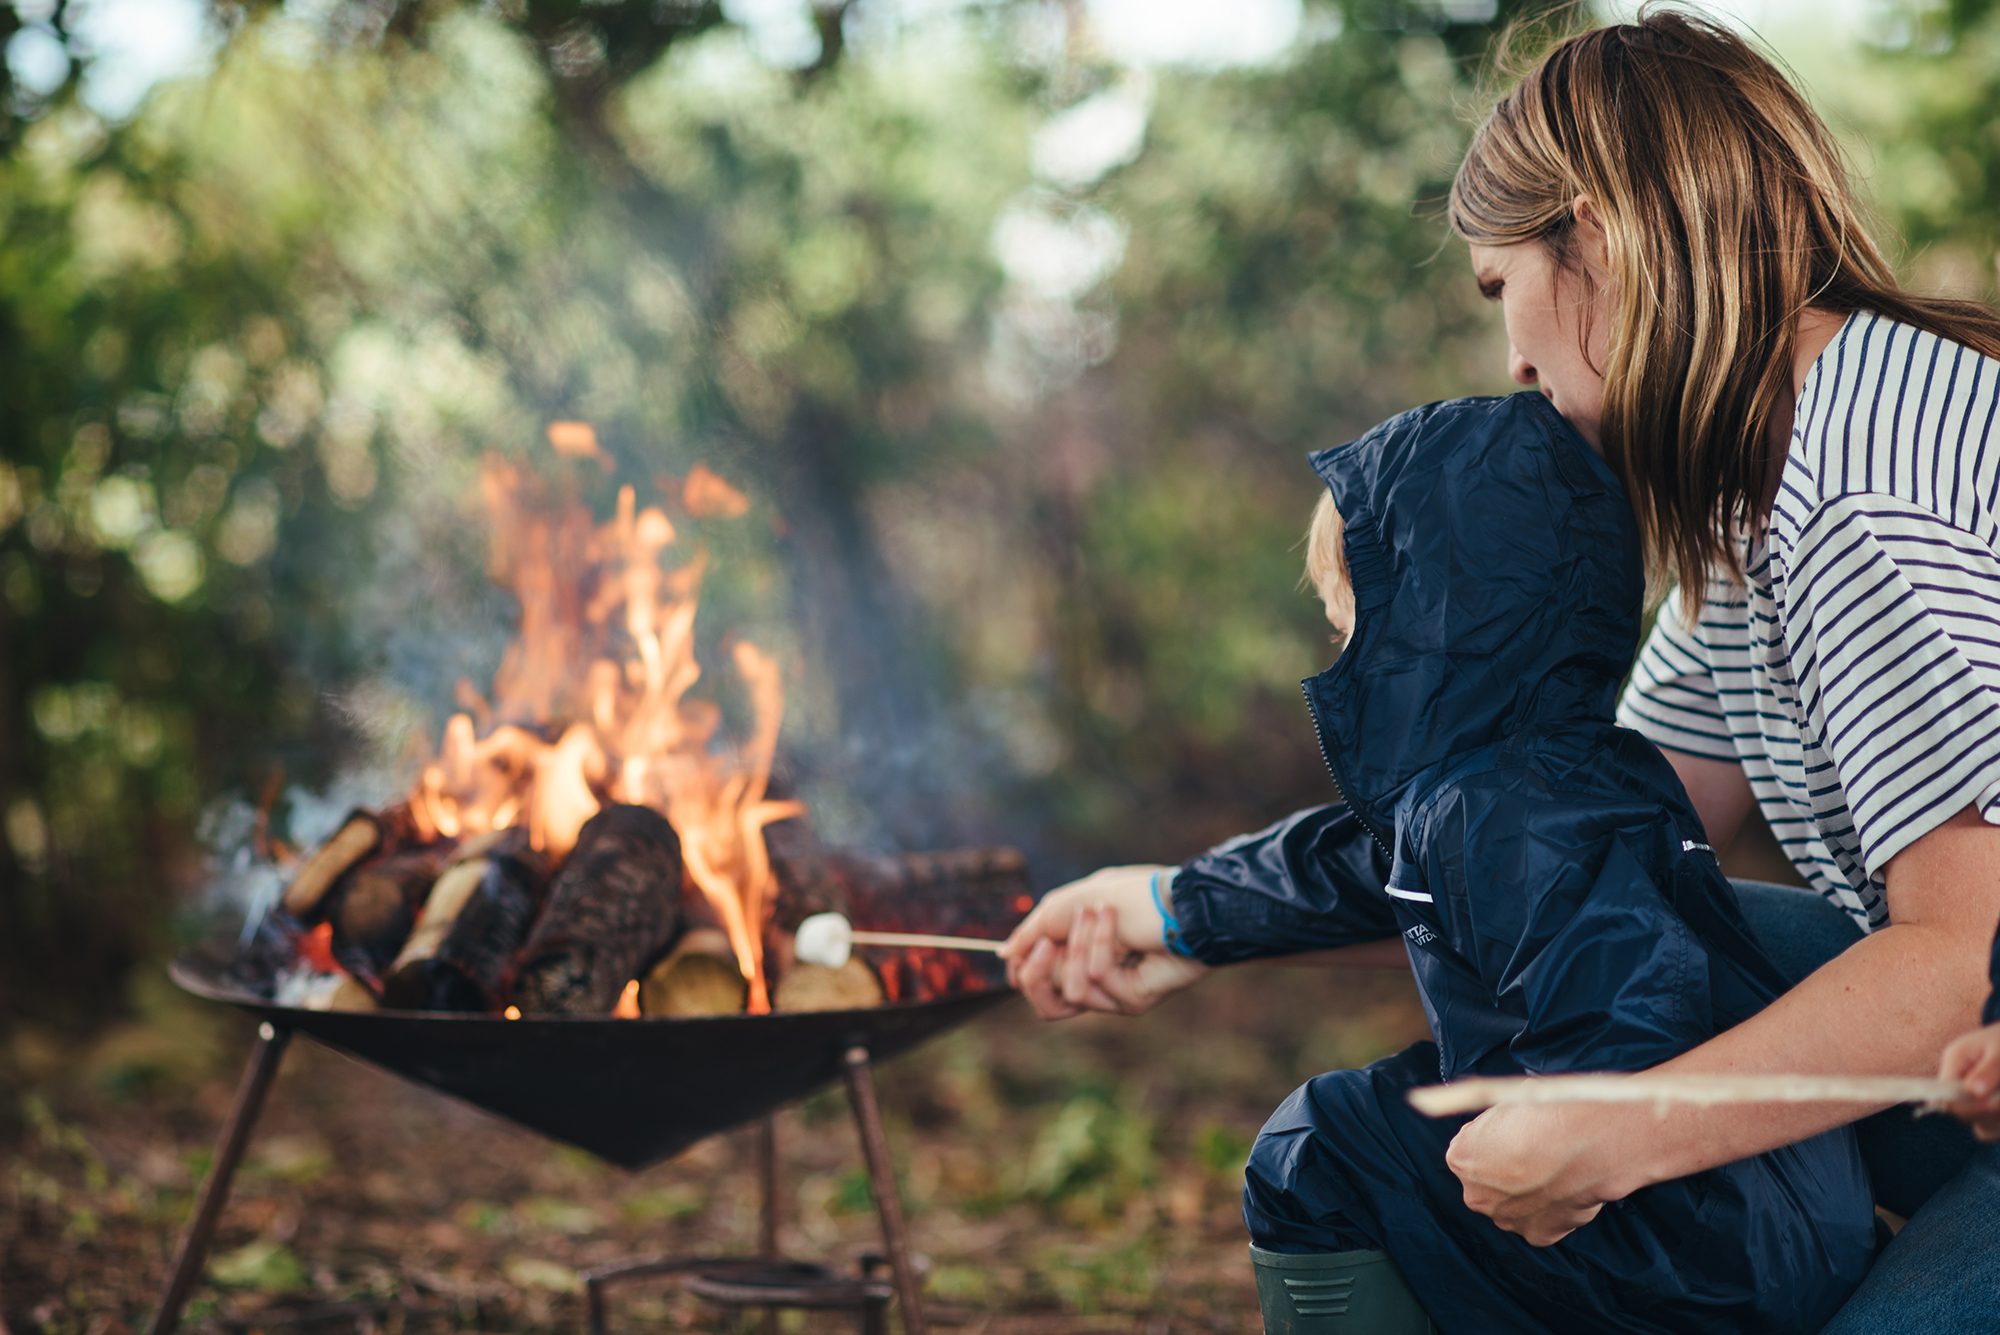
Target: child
[[1549, 880], [1975, 1059]]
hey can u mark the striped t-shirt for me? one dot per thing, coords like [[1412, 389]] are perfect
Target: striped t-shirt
[[1856, 676]]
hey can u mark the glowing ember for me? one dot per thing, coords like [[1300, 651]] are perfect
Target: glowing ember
[[602, 664]]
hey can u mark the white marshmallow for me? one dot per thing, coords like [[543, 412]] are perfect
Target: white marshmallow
[[824, 938]]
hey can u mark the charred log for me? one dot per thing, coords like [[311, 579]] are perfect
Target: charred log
[[375, 907], [613, 908], [461, 955], [485, 946]]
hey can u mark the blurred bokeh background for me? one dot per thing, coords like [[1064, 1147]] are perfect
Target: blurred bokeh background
[[1015, 319]]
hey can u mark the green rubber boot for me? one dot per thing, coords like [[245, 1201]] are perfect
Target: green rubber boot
[[1335, 1293]]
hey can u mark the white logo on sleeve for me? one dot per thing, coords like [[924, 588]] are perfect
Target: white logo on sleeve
[[1420, 935]]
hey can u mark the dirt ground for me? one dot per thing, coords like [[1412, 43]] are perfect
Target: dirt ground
[[1080, 1177]]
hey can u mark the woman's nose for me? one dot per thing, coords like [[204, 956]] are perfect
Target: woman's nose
[[1519, 369]]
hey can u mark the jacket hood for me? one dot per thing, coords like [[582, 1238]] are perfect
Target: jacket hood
[[1498, 587]]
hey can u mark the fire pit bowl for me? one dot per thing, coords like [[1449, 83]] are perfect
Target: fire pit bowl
[[632, 1092], [636, 1091]]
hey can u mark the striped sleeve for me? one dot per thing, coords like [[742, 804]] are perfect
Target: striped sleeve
[[1672, 699], [1894, 622]]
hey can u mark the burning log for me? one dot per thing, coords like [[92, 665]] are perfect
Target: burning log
[[815, 987], [486, 943], [461, 955], [700, 977], [358, 836], [614, 906], [375, 907], [276, 943]]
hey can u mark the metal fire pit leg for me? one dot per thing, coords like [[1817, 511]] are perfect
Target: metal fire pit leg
[[882, 1177], [767, 1202], [257, 1076]]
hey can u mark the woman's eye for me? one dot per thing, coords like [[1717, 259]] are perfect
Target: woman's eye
[[1491, 288]]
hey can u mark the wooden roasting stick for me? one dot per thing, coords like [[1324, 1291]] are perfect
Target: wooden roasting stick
[[825, 939], [861, 938], [1463, 1096]]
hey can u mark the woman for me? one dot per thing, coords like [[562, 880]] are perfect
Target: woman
[[1685, 275]]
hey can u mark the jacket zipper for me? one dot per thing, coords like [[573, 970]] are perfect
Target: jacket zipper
[[1340, 779]]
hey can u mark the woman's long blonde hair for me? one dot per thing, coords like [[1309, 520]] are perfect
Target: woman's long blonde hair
[[1727, 212]]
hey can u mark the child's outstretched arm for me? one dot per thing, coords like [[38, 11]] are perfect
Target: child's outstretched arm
[[1975, 1059], [1307, 889]]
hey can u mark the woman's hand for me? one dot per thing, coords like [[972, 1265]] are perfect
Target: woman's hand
[[1975, 1059], [1097, 944], [1535, 1171]]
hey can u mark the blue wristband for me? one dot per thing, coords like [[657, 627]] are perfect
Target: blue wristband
[[1171, 931]]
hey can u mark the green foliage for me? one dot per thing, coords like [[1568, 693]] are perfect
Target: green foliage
[[1916, 110], [264, 1264], [853, 1194], [482, 1217], [561, 1216], [300, 1160], [535, 1272], [1222, 1151], [665, 1205], [1092, 1157], [1112, 1278], [1278, 292]]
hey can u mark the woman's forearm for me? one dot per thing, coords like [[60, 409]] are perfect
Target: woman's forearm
[[1886, 1006]]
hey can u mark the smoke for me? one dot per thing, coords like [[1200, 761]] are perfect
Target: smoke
[[242, 878]]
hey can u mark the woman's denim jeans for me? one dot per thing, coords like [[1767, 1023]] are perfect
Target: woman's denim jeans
[[1942, 1272]]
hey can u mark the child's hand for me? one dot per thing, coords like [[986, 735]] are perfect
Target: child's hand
[[1094, 971], [1096, 944], [1975, 1059], [1127, 891]]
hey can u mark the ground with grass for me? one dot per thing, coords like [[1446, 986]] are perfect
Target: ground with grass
[[1059, 1178]]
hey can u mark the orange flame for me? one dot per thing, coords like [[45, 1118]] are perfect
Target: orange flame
[[704, 494], [578, 440], [603, 663]]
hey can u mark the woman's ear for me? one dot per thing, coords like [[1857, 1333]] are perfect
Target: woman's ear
[[1590, 225]]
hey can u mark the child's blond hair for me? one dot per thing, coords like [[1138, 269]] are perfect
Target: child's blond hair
[[1326, 553]]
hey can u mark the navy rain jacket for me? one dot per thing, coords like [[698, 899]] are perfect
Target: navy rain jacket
[[1550, 880]]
